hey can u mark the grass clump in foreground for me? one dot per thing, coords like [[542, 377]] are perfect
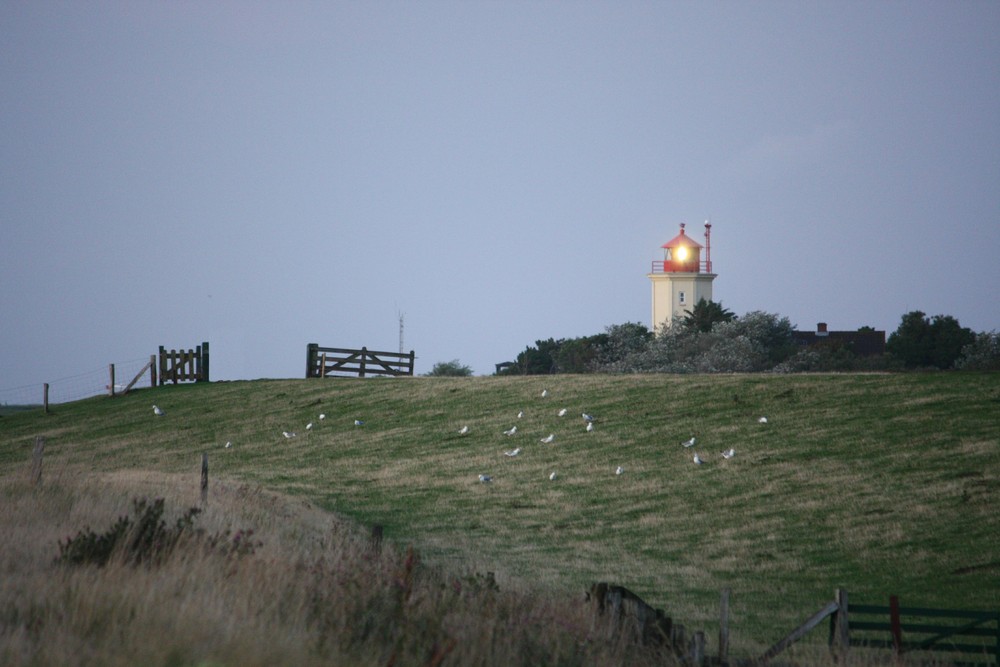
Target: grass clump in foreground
[[314, 590]]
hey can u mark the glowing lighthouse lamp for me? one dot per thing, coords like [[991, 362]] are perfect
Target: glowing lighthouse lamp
[[681, 278]]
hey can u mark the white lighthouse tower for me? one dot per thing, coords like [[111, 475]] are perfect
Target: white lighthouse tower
[[681, 278]]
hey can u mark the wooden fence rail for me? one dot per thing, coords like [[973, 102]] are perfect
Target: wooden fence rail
[[335, 361], [183, 365], [905, 629], [851, 625]]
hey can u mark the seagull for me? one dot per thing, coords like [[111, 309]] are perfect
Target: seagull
[[158, 412], [322, 416], [697, 459], [590, 426], [545, 392], [513, 452], [619, 470], [729, 453], [552, 475], [309, 426], [463, 430], [485, 478], [511, 431], [228, 445], [762, 420], [520, 414], [587, 417], [549, 438], [689, 443], [288, 434], [358, 422], [562, 413]]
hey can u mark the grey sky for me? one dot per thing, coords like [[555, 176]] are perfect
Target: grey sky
[[265, 175]]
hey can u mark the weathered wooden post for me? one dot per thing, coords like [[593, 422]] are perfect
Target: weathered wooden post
[[697, 651], [111, 384], [36, 460], [724, 628], [896, 629], [45, 397], [204, 478], [152, 371], [203, 363], [840, 638], [311, 351], [364, 357]]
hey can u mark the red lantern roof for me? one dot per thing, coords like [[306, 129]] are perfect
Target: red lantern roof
[[682, 239]]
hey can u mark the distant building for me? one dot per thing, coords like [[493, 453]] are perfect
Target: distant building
[[863, 343]]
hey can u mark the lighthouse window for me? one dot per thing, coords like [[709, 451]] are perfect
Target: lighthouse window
[[680, 298]]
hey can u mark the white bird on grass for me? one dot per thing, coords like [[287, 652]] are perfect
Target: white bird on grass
[[463, 430], [322, 416], [697, 459], [689, 443], [513, 452], [619, 470], [358, 422], [549, 438], [158, 412], [228, 445], [511, 431], [520, 414], [762, 420], [590, 426], [288, 434], [545, 392], [309, 426], [552, 475], [588, 418], [729, 453], [485, 478], [562, 413]]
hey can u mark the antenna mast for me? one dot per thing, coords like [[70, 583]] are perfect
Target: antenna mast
[[401, 333]]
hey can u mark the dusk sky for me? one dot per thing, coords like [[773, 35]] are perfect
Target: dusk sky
[[263, 175]]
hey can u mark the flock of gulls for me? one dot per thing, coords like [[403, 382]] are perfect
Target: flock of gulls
[[512, 431]]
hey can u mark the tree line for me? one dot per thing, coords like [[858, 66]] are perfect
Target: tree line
[[712, 339]]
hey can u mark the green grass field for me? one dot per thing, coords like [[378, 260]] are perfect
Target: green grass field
[[878, 484]]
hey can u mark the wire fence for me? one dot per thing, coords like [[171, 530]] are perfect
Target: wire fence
[[75, 387]]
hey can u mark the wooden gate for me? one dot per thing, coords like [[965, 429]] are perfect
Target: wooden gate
[[334, 361], [183, 365]]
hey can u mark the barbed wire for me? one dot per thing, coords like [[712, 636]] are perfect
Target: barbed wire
[[75, 387]]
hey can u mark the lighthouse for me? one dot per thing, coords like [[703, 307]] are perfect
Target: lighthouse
[[681, 278]]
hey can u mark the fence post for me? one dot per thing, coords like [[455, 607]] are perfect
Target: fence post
[[152, 371], [895, 628], [203, 371], [724, 627], [698, 648], [311, 351], [162, 362], [364, 357], [45, 397], [412, 357], [36, 460], [111, 384], [204, 478], [840, 637]]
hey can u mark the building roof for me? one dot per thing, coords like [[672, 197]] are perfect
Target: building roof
[[682, 239]]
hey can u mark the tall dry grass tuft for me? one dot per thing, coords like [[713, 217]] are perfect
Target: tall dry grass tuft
[[312, 590]]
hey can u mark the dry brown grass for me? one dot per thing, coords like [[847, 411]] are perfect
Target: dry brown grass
[[313, 592]]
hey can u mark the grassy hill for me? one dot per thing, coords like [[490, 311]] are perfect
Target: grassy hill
[[879, 484]]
